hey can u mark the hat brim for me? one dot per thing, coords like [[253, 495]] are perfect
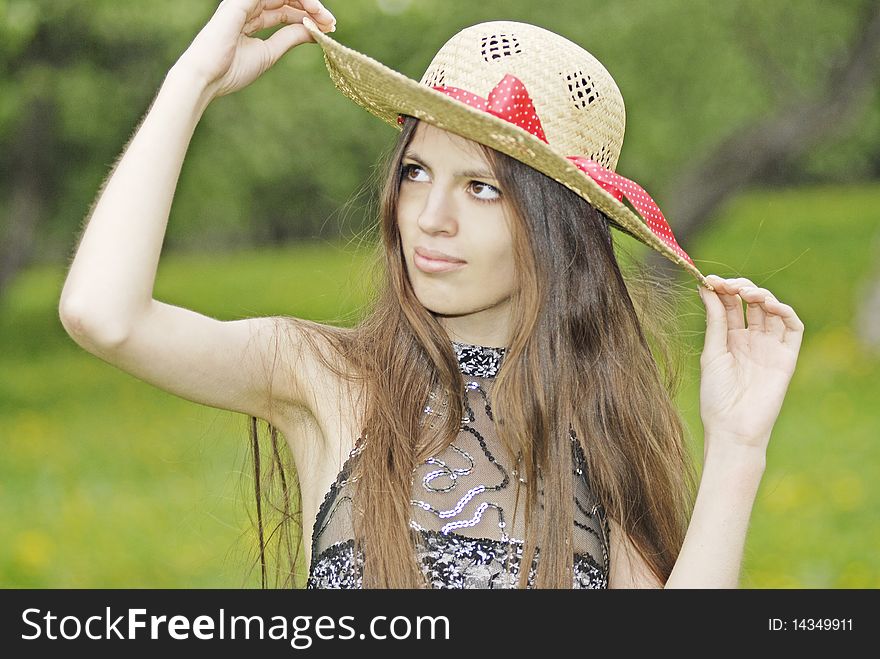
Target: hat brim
[[386, 93]]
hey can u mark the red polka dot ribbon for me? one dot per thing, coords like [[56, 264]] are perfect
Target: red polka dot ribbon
[[620, 187], [510, 101]]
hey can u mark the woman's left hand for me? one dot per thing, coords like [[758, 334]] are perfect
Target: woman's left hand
[[745, 370]]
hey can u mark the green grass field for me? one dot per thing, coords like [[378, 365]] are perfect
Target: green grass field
[[109, 482]]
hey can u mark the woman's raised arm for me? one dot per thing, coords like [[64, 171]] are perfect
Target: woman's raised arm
[[107, 303]]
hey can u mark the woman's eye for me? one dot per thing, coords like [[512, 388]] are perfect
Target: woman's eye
[[407, 169], [494, 194]]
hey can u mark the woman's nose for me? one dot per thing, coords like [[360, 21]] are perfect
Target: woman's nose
[[439, 212]]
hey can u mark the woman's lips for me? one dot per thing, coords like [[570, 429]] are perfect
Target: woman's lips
[[426, 264]]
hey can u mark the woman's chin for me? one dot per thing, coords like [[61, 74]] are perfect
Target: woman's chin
[[444, 307], [446, 310], [451, 310]]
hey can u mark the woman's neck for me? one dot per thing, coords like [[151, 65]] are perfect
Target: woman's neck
[[487, 328]]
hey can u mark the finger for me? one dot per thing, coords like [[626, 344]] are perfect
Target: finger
[[733, 310], [773, 322], [272, 17], [732, 303], [715, 342], [794, 327], [731, 285], [246, 8], [285, 39], [244, 12], [318, 12], [262, 5], [315, 7], [755, 313]]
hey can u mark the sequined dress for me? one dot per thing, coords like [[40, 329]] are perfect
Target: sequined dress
[[463, 506]]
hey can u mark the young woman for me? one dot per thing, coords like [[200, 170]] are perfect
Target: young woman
[[507, 400]]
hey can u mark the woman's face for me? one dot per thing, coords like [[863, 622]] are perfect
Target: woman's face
[[450, 203]]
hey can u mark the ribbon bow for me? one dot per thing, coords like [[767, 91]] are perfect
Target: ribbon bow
[[509, 100]]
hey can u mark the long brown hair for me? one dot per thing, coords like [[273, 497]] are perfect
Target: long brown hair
[[589, 353]]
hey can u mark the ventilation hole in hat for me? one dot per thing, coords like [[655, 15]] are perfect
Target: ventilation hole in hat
[[602, 156], [581, 87], [436, 77], [499, 45]]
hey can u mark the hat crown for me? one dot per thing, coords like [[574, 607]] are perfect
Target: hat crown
[[577, 101]]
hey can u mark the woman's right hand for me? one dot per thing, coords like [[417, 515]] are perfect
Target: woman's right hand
[[226, 58]]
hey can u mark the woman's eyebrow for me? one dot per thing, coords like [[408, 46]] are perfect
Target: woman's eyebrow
[[470, 173]]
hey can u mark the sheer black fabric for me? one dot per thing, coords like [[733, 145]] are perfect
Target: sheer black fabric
[[463, 506]]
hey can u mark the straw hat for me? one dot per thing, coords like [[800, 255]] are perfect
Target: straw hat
[[527, 92]]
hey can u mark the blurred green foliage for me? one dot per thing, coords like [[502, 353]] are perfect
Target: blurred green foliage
[[277, 159], [109, 482]]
